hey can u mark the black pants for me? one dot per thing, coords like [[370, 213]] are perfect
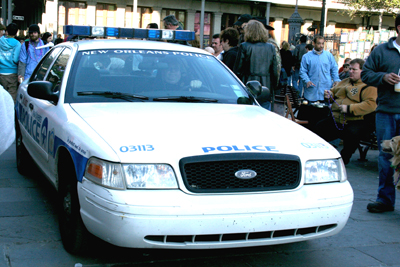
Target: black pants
[[313, 115], [351, 134]]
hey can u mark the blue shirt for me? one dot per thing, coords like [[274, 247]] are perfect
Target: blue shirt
[[31, 57], [9, 55], [321, 70]]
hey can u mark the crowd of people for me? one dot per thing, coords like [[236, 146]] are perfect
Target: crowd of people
[[18, 58], [345, 103]]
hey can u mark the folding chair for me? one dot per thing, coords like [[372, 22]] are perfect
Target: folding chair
[[290, 112]]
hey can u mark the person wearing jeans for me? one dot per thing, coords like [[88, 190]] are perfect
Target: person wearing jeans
[[381, 70]]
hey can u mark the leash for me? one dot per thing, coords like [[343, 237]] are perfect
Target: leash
[[330, 108]]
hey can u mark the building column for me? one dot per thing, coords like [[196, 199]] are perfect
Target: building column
[[216, 18], [307, 23], [156, 16], [120, 22], [330, 27], [278, 30], [91, 13], [267, 12], [190, 19]]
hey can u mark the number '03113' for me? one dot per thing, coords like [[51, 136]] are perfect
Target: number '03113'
[[136, 148]]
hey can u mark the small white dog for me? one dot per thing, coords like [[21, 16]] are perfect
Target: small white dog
[[392, 147]]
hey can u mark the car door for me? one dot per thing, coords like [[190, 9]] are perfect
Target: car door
[[30, 121], [43, 113]]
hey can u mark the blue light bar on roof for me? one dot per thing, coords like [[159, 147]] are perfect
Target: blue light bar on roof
[[77, 30], [153, 34]]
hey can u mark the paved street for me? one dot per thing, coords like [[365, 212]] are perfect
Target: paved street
[[29, 233]]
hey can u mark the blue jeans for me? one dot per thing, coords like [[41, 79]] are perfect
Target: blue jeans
[[387, 126], [297, 85]]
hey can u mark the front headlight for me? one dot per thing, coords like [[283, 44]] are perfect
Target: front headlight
[[132, 176], [325, 171], [149, 176]]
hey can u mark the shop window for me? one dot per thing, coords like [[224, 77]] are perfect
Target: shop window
[[207, 28], [180, 15], [106, 15], [143, 13], [228, 20], [71, 13]]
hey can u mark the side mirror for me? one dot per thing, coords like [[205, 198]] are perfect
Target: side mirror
[[42, 90], [265, 95], [254, 87], [261, 93]]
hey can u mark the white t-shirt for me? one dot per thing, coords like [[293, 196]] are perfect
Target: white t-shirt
[[396, 45]]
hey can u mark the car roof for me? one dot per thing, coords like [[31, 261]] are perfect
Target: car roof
[[86, 45]]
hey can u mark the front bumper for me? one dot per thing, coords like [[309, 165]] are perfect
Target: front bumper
[[174, 219]]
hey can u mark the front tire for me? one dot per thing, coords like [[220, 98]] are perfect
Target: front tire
[[74, 235], [24, 160]]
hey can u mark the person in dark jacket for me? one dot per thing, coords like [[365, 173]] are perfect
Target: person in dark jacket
[[298, 54], [382, 70], [229, 40], [287, 58], [59, 40], [256, 59]]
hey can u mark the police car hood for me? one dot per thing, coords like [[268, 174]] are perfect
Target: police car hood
[[155, 132]]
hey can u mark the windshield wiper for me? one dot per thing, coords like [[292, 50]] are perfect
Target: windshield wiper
[[186, 99], [128, 97]]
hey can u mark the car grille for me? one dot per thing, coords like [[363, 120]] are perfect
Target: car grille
[[216, 173]]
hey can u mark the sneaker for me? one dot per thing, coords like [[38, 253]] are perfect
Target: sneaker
[[379, 207]]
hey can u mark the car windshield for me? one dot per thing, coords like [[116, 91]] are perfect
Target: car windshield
[[152, 76]]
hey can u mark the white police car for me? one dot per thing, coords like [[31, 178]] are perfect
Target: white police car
[[159, 145]]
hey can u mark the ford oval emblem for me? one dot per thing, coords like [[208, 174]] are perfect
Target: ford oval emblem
[[245, 174]]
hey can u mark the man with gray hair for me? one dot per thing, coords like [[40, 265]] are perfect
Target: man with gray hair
[[171, 23]]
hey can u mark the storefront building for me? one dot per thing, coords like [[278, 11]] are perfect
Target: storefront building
[[218, 15]]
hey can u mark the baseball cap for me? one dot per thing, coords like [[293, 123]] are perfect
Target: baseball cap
[[242, 19]]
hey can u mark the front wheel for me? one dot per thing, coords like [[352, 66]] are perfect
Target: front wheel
[[24, 160], [74, 235]]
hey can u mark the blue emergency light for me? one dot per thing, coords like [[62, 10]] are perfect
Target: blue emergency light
[[137, 33], [112, 32], [77, 30], [154, 34]]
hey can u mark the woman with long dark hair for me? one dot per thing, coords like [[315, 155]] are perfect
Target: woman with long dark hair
[[47, 38]]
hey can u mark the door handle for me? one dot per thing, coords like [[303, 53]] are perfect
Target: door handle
[[31, 106]]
